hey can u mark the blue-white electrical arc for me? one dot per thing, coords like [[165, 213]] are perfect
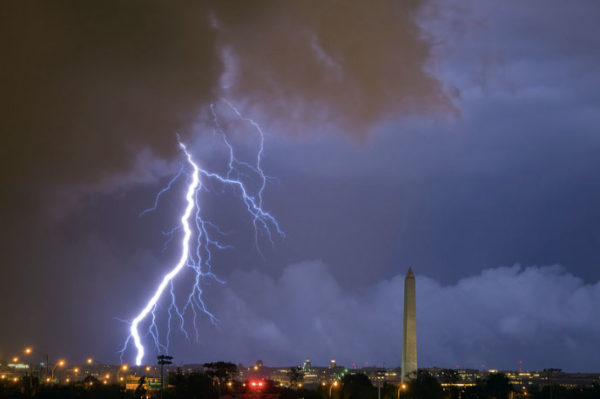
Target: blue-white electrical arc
[[196, 254]]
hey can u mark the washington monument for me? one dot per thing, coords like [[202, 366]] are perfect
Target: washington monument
[[409, 329]]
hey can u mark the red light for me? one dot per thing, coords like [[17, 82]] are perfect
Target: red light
[[257, 384]]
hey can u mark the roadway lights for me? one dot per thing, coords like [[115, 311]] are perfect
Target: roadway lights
[[28, 351]]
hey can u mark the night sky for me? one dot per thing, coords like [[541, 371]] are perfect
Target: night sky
[[460, 138]]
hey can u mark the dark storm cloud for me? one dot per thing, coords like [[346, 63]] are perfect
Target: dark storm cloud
[[539, 315], [345, 63], [88, 84]]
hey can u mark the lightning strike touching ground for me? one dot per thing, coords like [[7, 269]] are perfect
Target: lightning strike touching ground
[[196, 254]]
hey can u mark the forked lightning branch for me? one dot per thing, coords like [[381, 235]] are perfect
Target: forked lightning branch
[[197, 243]]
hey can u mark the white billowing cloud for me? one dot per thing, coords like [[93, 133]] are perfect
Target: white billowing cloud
[[542, 316]]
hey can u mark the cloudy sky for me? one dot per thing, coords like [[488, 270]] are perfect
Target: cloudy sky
[[458, 138]]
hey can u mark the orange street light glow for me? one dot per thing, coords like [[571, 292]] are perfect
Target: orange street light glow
[[28, 351]]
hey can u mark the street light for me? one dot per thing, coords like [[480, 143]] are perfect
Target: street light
[[60, 363], [89, 360], [124, 367], [29, 351], [401, 387], [380, 377], [333, 385]]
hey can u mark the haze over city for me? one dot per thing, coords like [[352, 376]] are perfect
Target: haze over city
[[456, 138]]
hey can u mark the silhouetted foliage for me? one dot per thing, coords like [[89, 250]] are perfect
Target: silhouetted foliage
[[558, 392], [223, 371], [140, 391], [191, 386], [357, 386], [497, 386], [289, 393], [425, 386], [296, 376], [72, 391]]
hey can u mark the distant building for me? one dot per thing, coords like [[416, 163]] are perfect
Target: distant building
[[409, 328], [307, 365]]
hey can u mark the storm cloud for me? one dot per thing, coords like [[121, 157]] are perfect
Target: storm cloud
[[88, 85], [95, 94], [538, 315]]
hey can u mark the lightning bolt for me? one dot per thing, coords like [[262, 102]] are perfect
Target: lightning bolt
[[196, 254]]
